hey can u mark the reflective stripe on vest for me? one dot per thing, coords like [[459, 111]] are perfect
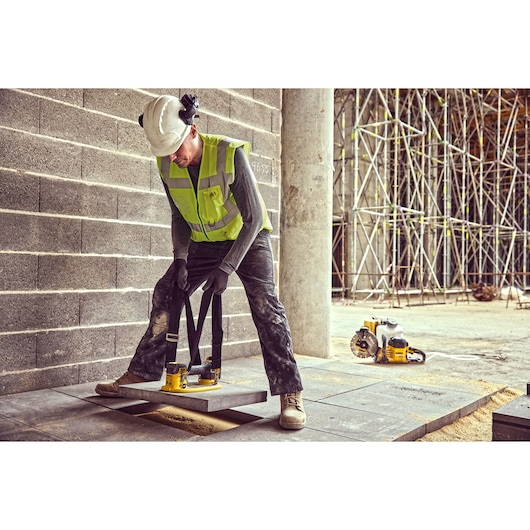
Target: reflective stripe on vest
[[210, 211]]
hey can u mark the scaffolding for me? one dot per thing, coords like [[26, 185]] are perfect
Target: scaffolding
[[431, 191]]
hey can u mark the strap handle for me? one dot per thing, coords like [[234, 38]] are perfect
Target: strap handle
[[180, 299]]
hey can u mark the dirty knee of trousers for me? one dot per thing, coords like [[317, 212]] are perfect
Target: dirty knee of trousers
[[160, 323]]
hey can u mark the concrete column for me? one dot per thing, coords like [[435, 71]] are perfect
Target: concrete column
[[306, 214]]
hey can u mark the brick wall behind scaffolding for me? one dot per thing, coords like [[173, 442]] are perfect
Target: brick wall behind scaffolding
[[86, 227]]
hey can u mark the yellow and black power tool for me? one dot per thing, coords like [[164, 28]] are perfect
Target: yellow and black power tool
[[382, 339], [177, 377]]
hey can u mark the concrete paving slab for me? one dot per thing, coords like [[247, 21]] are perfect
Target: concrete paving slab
[[241, 376], [433, 406], [270, 431], [14, 431], [86, 392], [360, 425], [223, 398], [106, 425], [43, 406], [512, 421], [320, 383]]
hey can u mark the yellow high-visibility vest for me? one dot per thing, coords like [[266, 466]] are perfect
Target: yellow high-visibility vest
[[211, 212]]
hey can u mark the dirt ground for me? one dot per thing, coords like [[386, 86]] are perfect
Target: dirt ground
[[487, 342]]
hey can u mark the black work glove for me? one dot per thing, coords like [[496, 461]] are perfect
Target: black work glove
[[181, 274], [217, 281]]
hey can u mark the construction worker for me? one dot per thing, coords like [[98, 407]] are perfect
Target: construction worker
[[219, 226]]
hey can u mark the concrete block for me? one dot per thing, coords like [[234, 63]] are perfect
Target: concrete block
[[271, 196], [110, 307], [269, 96], [78, 199], [101, 237], [21, 312], [47, 156], [224, 397], [127, 338], [30, 380], [77, 125], [22, 232], [240, 328], [140, 273], [56, 348], [234, 298], [132, 139], [102, 370], [267, 144], [210, 100], [512, 421], [217, 125], [19, 191], [154, 176], [155, 208], [122, 102], [58, 272], [19, 111], [18, 351], [18, 272], [249, 111], [74, 96], [161, 242], [116, 168], [262, 171]]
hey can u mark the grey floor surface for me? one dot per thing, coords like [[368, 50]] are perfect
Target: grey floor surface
[[344, 400]]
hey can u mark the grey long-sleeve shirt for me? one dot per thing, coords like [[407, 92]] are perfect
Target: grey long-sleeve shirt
[[246, 195]]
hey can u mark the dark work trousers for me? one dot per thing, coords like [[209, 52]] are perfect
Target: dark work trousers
[[256, 272]]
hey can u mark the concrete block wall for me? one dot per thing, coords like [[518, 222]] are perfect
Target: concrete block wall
[[85, 227]]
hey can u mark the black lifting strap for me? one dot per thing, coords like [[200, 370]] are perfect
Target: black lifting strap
[[180, 299]]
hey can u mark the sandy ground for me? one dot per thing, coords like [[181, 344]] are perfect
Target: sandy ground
[[190, 421], [476, 427]]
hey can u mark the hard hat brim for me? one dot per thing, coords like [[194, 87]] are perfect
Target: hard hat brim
[[169, 150]]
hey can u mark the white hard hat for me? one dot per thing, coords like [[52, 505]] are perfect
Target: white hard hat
[[163, 126]]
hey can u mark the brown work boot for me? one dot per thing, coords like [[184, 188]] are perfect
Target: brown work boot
[[292, 414], [111, 389]]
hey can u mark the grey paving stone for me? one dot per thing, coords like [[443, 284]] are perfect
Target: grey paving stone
[[360, 425], [225, 397], [512, 421], [435, 407], [43, 406], [86, 392], [250, 377], [112, 426], [320, 383], [516, 412], [270, 431], [269, 409], [14, 431]]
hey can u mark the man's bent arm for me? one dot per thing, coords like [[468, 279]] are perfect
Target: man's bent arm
[[246, 195]]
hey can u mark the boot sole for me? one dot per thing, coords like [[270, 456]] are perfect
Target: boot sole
[[292, 426], [107, 394]]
